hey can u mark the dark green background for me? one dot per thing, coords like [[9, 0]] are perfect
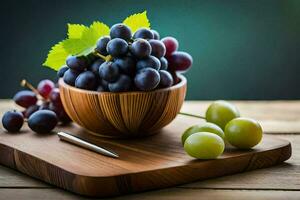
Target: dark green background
[[241, 49]]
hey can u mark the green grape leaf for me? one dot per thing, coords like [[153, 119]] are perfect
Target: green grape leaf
[[81, 41], [87, 43], [78, 47], [75, 30], [136, 21], [56, 56], [90, 37], [99, 28]]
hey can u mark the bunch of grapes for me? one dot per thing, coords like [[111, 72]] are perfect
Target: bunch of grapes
[[124, 61], [223, 124], [42, 108]]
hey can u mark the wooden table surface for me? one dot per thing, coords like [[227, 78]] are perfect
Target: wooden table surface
[[278, 118]]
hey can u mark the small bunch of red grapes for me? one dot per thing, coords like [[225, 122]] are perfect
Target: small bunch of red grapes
[[42, 108], [124, 62]]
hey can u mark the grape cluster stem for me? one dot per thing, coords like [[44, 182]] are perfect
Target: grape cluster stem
[[106, 58], [25, 83], [192, 115]]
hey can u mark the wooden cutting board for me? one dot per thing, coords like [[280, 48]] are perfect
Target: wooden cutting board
[[154, 162]]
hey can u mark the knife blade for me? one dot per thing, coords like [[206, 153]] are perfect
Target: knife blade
[[82, 143]]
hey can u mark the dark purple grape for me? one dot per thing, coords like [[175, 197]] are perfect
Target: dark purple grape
[[158, 48], [129, 53], [25, 98], [171, 45], [126, 65], [60, 112], [100, 88], [55, 108], [101, 85], [104, 84], [77, 63], [55, 96], [70, 76], [164, 63], [150, 61], [45, 87], [42, 121], [117, 47], [44, 106], [155, 34], [12, 121], [147, 79], [166, 79], [94, 67], [109, 71], [120, 31], [91, 58], [180, 61], [123, 84], [86, 80], [141, 48], [102, 44], [30, 110], [63, 117], [143, 33], [62, 70]]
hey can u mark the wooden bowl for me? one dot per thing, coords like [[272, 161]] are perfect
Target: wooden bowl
[[124, 114]]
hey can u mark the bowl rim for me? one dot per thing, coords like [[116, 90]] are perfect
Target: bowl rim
[[182, 82]]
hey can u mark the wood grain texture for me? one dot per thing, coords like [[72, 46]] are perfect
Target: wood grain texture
[[166, 194], [123, 115], [288, 173], [277, 117], [278, 182], [148, 163], [285, 176], [11, 178]]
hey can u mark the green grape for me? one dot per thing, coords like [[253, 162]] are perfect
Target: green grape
[[221, 112], [191, 130], [207, 127], [204, 145], [243, 133]]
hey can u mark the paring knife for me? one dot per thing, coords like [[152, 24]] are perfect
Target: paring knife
[[79, 142]]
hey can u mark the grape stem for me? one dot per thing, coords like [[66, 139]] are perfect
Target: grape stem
[[106, 58], [25, 83], [192, 115]]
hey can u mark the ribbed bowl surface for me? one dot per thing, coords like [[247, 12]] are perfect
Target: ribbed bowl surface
[[125, 114]]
